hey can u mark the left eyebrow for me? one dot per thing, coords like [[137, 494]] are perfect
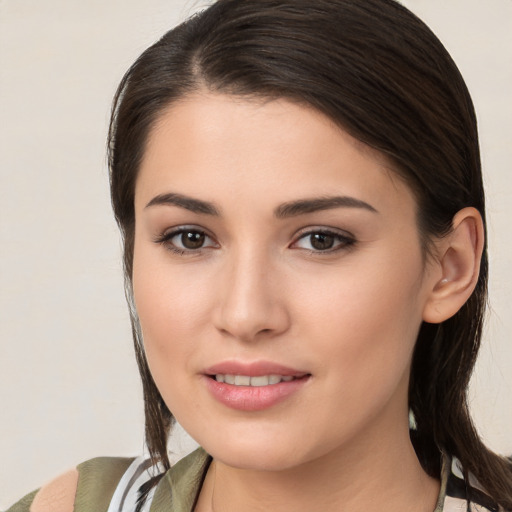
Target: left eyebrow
[[303, 206]]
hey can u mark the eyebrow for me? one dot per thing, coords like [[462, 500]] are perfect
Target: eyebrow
[[285, 210], [189, 203], [302, 206]]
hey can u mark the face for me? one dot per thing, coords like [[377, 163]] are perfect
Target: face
[[279, 281]]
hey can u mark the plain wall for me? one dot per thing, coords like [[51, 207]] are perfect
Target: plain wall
[[69, 385]]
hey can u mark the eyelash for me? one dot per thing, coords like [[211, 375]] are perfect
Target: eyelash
[[166, 237], [345, 241]]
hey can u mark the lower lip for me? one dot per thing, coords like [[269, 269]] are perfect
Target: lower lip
[[253, 398]]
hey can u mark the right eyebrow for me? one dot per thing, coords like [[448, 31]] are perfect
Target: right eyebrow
[[193, 205]]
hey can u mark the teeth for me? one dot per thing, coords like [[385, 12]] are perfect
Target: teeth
[[242, 380], [274, 379], [246, 380], [260, 381]]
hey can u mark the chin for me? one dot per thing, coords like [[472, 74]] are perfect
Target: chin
[[271, 451], [255, 458]]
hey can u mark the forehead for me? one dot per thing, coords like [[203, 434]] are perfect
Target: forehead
[[277, 149]]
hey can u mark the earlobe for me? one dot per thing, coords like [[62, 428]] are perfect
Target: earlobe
[[459, 261]]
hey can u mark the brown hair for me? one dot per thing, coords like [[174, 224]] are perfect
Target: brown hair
[[380, 73]]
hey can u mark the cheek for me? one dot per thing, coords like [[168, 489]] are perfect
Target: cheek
[[366, 319], [364, 330], [173, 310]]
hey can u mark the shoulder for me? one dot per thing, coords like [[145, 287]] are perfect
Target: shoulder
[[58, 495], [90, 484]]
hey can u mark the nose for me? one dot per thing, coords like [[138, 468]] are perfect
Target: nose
[[252, 300]]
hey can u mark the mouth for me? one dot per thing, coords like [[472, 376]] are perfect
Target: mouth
[[254, 386], [254, 381]]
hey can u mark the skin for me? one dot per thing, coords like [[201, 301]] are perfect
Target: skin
[[258, 290], [57, 495]]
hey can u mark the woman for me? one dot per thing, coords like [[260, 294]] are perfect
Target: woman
[[299, 190]]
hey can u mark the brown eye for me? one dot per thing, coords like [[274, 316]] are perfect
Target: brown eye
[[321, 241], [192, 239], [324, 241], [185, 240]]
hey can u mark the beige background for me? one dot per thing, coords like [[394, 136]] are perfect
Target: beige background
[[69, 386]]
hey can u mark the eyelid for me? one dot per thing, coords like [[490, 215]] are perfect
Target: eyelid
[[167, 235], [347, 238], [323, 229]]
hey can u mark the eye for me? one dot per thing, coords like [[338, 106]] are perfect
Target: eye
[[323, 241], [183, 240]]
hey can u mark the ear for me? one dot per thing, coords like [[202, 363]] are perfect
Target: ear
[[458, 260]]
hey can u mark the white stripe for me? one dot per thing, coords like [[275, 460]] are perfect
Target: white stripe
[[126, 493]]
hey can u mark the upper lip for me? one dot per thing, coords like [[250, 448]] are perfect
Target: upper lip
[[253, 369]]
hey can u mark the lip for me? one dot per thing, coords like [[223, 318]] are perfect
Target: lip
[[253, 369], [249, 398]]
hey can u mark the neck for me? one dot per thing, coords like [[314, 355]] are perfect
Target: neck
[[384, 475]]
